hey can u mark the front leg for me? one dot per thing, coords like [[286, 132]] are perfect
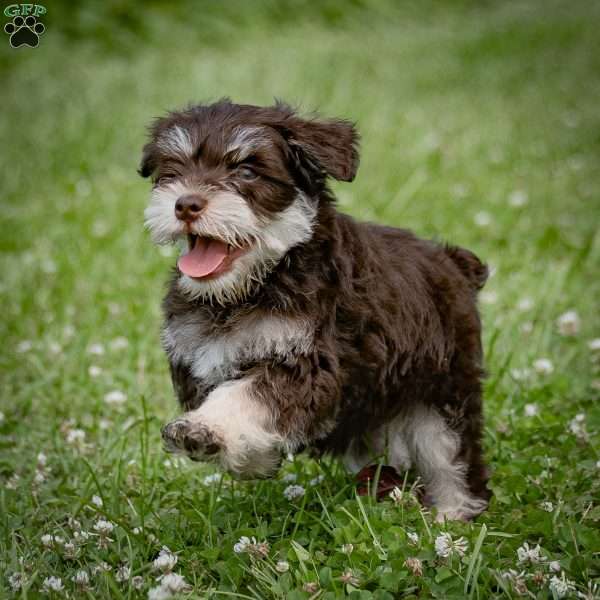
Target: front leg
[[246, 424], [232, 426], [190, 390]]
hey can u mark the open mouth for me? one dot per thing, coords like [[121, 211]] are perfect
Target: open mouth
[[208, 257]]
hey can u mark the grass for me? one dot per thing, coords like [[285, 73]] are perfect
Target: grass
[[480, 126]]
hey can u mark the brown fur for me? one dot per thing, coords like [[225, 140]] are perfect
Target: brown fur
[[395, 317]]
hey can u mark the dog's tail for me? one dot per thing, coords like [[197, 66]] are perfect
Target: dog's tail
[[470, 266]]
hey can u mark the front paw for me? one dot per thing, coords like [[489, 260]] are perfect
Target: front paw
[[196, 440]]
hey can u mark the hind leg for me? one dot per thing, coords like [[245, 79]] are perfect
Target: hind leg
[[449, 465], [388, 441]]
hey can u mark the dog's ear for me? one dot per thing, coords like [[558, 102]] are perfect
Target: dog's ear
[[330, 144], [149, 160]]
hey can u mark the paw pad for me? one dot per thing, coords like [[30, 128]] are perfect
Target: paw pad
[[194, 439], [24, 31]]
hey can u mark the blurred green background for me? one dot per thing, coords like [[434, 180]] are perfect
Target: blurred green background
[[479, 122]]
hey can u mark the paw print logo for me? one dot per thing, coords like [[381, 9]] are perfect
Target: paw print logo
[[24, 31]]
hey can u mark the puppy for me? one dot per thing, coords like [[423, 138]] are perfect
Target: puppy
[[289, 325]]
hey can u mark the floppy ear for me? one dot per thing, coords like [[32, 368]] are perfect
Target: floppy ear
[[330, 143], [149, 160]]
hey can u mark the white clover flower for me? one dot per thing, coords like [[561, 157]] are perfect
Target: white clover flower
[[348, 577], [70, 550], [532, 410], [569, 323], [396, 495], [289, 477], [105, 424], [75, 437], [445, 546], [24, 346], [547, 506], [52, 584], [47, 540], [99, 229], [511, 574], [525, 554], [42, 460], [101, 567], [115, 397], [165, 561], [159, 593], [577, 427], [591, 593], [555, 566], [94, 371], [543, 366], [123, 573], [96, 349], [347, 548], [174, 582], [136, 530], [48, 266], [97, 501], [214, 478], [413, 537], [526, 327], [242, 544], [137, 582], [594, 345], [282, 566], [13, 482], [482, 219], [103, 527], [518, 198], [317, 480], [525, 304], [81, 579], [81, 536], [119, 343], [114, 309], [16, 581], [415, 566], [54, 348], [520, 374], [2, 417], [517, 580], [561, 587], [292, 492], [39, 477]]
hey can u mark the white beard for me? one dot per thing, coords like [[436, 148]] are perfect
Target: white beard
[[229, 218]]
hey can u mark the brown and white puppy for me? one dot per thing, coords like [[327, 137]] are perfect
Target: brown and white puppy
[[289, 325]]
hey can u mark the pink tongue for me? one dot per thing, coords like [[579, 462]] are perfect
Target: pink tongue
[[204, 258]]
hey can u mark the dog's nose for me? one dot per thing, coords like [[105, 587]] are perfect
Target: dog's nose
[[189, 207]]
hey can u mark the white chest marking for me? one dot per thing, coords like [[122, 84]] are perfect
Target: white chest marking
[[215, 357]]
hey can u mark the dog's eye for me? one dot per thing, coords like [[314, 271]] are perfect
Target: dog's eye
[[164, 179], [246, 173]]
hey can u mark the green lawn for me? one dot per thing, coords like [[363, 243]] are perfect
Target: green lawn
[[480, 125]]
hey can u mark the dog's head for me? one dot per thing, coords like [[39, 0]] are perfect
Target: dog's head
[[240, 185]]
